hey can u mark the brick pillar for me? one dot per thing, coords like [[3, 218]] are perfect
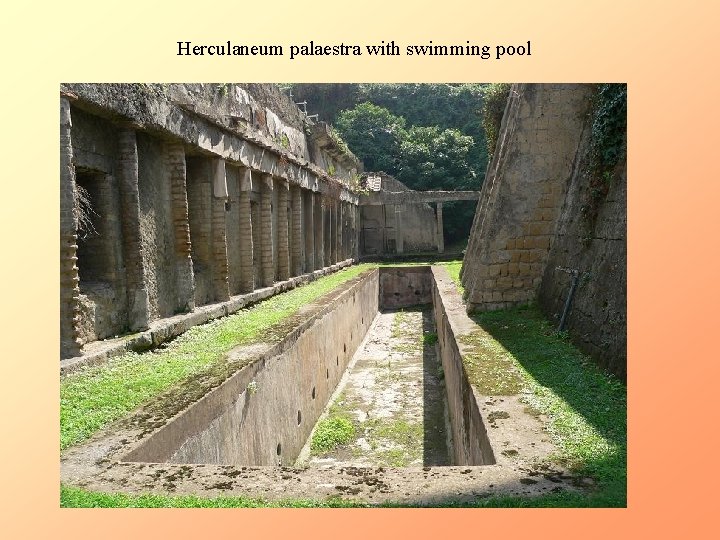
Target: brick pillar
[[296, 250], [309, 231], [283, 250], [319, 230], [341, 230], [69, 278], [327, 221], [220, 277], [174, 154], [246, 233], [138, 302], [347, 240], [440, 236], [358, 231], [399, 238], [267, 262], [338, 230], [256, 235], [332, 240]]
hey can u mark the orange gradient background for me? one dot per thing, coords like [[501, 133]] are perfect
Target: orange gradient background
[[665, 51]]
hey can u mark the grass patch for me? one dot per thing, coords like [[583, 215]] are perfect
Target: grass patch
[[96, 396], [71, 497], [453, 269], [330, 433], [587, 408]]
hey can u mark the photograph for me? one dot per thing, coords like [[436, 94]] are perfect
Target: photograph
[[343, 295]]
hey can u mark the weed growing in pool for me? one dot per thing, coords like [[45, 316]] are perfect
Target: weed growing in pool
[[330, 433]]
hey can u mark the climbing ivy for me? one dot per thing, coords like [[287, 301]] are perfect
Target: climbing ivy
[[609, 128], [494, 99], [608, 146]]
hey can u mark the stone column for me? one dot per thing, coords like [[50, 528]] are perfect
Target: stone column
[[327, 220], [266, 251], [333, 231], [174, 154], [296, 249], [69, 277], [440, 236], [221, 283], [282, 224], [338, 231], [319, 224], [256, 234], [246, 232], [399, 239], [309, 232], [357, 224], [137, 295]]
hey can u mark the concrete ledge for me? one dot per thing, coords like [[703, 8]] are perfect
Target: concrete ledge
[[416, 197], [161, 330]]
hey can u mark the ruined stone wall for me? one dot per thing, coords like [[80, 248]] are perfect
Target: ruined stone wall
[[379, 225], [156, 227], [265, 110], [175, 175], [531, 222], [102, 295]]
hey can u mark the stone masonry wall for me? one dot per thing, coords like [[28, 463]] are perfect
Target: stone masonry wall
[[523, 193], [597, 320], [531, 227], [379, 224]]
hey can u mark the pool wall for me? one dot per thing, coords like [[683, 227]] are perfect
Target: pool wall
[[263, 414]]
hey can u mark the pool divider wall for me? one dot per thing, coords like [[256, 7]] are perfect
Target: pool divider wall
[[264, 413], [471, 445], [405, 286]]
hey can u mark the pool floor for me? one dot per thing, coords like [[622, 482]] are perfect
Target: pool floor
[[393, 393]]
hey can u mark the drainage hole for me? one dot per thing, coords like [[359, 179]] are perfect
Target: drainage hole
[[344, 347], [337, 360], [313, 393], [278, 450], [299, 417], [362, 320], [327, 373], [417, 293]]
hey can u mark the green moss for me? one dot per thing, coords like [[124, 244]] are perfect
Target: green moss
[[489, 366]]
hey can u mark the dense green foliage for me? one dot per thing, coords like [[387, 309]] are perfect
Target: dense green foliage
[[429, 136], [374, 134]]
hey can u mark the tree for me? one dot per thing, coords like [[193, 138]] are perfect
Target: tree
[[374, 135], [431, 158]]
